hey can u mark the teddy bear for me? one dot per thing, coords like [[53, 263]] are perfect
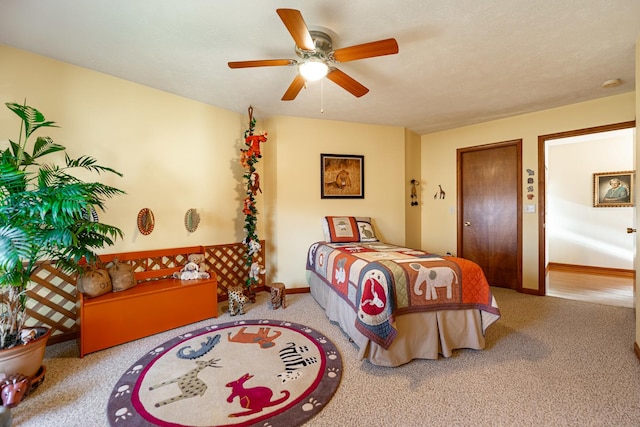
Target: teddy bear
[[190, 272], [200, 260]]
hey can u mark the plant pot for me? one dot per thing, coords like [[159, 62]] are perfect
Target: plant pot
[[25, 359]]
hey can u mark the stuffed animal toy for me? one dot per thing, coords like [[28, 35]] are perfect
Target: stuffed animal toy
[[253, 247], [200, 260], [190, 272], [244, 160], [248, 205], [278, 296], [253, 141], [255, 270], [255, 183], [237, 300]]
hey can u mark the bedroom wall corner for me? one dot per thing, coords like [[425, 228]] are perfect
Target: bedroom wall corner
[[637, 162], [413, 225], [269, 181]]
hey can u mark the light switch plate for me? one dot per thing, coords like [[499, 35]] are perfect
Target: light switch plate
[[530, 208]]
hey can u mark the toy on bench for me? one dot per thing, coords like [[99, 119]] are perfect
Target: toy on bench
[[191, 272]]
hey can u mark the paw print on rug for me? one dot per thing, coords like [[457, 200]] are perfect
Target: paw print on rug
[[185, 336], [122, 390], [322, 340], [332, 372], [156, 351], [312, 403], [122, 414], [332, 355], [135, 370]]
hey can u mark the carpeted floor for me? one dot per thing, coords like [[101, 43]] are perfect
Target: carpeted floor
[[549, 362]]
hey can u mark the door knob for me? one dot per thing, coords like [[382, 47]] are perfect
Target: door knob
[[467, 224], [631, 230]]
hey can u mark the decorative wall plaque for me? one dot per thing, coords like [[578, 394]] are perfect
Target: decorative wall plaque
[[191, 220], [146, 221]]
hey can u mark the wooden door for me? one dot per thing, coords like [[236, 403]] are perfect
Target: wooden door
[[489, 214]]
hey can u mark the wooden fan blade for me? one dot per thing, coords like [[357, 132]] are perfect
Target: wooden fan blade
[[366, 50], [294, 22], [262, 63], [347, 83], [296, 85]]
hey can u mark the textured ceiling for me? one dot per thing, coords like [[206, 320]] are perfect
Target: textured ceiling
[[460, 61]]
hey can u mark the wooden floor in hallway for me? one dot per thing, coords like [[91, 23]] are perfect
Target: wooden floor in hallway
[[599, 288]]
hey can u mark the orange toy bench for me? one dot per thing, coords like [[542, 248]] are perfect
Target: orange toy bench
[[156, 304]]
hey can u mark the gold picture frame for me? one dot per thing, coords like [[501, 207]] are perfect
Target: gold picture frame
[[341, 176], [613, 189]]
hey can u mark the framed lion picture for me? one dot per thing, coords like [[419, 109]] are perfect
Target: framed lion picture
[[341, 176]]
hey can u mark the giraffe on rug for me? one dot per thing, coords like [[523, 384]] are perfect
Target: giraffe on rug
[[190, 385]]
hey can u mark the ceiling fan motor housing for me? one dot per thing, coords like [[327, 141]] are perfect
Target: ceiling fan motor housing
[[323, 47]]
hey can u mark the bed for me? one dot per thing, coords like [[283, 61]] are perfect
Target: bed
[[396, 303]]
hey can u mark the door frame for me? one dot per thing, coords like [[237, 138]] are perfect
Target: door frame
[[542, 189], [460, 219]]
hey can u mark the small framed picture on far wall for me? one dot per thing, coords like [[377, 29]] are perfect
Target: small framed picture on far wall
[[613, 189]]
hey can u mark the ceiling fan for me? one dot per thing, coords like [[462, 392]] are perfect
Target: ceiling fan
[[315, 50]]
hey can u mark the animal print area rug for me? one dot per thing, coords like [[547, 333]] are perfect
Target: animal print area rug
[[244, 373]]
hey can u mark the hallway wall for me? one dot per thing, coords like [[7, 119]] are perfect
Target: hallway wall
[[577, 232]]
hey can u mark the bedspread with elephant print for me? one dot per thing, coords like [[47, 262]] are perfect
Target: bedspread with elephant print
[[381, 281]]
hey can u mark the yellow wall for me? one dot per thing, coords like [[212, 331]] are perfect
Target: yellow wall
[[175, 154], [439, 226], [293, 166], [412, 156]]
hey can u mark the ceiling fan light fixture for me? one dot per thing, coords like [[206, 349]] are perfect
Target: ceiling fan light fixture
[[313, 69]]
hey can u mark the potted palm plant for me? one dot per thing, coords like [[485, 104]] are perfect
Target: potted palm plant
[[45, 215]]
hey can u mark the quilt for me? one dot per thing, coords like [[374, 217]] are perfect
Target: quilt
[[381, 281]]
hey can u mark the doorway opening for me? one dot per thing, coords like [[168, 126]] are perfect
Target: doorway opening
[[585, 251]]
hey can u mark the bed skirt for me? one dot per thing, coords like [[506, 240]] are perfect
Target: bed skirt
[[421, 335]]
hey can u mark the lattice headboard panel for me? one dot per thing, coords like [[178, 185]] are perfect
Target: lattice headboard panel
[[52, 295]]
